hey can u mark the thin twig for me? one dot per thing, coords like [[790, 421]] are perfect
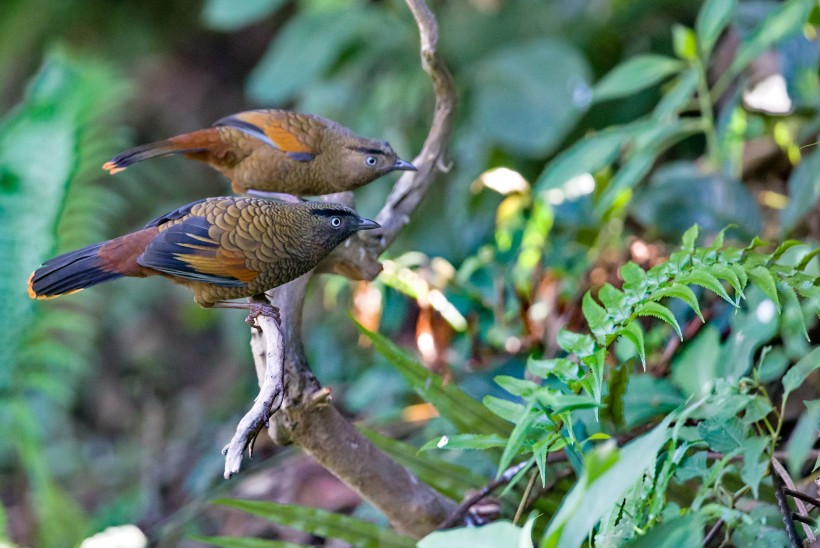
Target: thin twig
[[523, 504], [713, 531], [782, 479], [802, 496], [461, 510], [801, 519]]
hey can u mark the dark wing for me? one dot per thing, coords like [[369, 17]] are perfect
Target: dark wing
[[187, 251], [175, 214], [272, 127]]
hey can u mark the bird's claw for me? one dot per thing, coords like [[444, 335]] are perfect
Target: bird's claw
[[259, 309]]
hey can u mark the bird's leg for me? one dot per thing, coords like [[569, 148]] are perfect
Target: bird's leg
[[279, 196], [255, 310]]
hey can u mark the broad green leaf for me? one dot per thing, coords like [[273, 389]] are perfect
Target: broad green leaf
[[321, 523], [790, 298], [229, 15], [689, 238], [506, 409], [754, 468], [632, 274], [762, 278], [519, 435], [723, 435], [528, 111], [634, 75], [608, 474], [678, 96], [555, 402], [712, 18], [516, 386], [786, 20], [465, 413], [686, 530], [695, 368], [562, 368], [783, 247], [611, 297], [662, 313], [246, 542], [804, 191], [450, 479], [683, 293], [465, 441], [577, 343], [648, 397], [684, 43], [594, 313], [704, 278], [803, 438], [634, 333], [499, 534], [795, 376]]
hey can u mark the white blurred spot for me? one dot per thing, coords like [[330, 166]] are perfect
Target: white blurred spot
[[769, 95], [765, 311], [442, 442], [512, 345], [427, 346], [504, 180], [539, 311], [581, 95], [124, 536], [574, 188], [449, 312]]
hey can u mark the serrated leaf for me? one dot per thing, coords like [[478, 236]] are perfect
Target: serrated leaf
[[518, 436], [723, 435], [795, 376], [321, 523], [632, 331], [611, 298], [465, 413], [632, 274], [753, 467], [662, 313], [635, 74], [508, 410], [790, 298], [762, 278], [707, 280], [561, 368], [465, 441], [804, 262], [578, 343], [712, 18], [785, 246], [594, 313], [726, 273], [683, 293], [689, 238], [516, 386]]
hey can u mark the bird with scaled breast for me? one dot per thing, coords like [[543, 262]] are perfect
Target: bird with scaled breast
[[220, 248], [266, 152]]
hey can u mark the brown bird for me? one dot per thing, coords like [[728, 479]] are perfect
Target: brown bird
[[278, 151], [221, 248]]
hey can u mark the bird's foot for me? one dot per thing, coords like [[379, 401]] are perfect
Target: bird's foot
[[260, 309]]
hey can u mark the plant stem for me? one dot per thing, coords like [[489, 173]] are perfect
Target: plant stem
[[523, 504], [707, 115]]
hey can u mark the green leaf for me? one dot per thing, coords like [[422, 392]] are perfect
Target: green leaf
[[682, 292], [783, 247], [723, 435], [704, 278], [632, 275], [499, 534], [450, 479], [516, 386], [594, 313], [686, 530], [585, 156], [804, 191], [246, 542], [753, 467], [762, 278], [689, 238], [791, 300], [321, 523], [465, 441], [526, 111], [635, 74], [728, 274], [561, 368], [608, 474], [803, 438], [611, 298], [618, 381], [678, 96], [577, 343], [662, 313], [229, 15], [506, 409], [712, 18], [632, 331], [795, 376], [684, 43], [694, 370], [465, 413], [519, 435], [785, 21]]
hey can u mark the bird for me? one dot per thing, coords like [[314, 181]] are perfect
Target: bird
[[271, 152], [221, 248]]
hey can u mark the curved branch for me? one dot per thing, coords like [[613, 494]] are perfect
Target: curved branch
[[306, 417]]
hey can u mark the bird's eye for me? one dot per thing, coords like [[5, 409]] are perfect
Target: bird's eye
[[370, 160], [335, 222]]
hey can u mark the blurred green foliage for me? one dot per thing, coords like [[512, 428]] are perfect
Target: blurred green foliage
[[589, 135]]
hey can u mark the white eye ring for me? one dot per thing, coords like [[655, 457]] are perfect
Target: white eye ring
[[335, 222], [370, 160]]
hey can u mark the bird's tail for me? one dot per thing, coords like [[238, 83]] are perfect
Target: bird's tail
[[196, 141], [69, 273]]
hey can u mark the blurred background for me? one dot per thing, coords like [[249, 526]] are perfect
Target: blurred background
[[117, 401]]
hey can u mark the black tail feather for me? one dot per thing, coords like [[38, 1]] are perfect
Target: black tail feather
[[69, 273]]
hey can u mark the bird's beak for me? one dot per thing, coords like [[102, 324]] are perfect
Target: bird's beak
[[401, 165], [367, 224]]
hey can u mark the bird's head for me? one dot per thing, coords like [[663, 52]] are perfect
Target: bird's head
[[331, 224], [364, 160]]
